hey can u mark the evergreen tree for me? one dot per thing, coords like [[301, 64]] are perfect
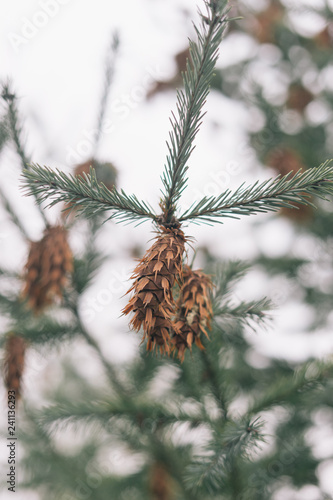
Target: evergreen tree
[[189, 422]]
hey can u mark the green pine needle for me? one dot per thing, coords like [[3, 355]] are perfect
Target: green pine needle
[[85, 194], [190, 101], [269, 196]]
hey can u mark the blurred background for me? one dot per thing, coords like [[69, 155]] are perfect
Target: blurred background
[[269, 113]]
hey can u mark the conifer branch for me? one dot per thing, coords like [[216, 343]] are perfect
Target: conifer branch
[[108, 78], [190, 101], [245, 312], [208, 473], [288, 388], [16, 131], [85, 194], [269, 196], [9, 209], [3, 133]]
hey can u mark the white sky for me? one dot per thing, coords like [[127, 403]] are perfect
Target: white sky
[[54, 52]]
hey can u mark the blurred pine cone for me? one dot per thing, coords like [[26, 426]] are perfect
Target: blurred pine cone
[[194, 311], [324, 39], [155, 275], [106, 173], [160, 483], [14, 363], [286, 160], [266, 22], [49, 262], [176, 80], [299, 97]]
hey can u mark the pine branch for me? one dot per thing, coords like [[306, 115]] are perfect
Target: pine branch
[[208, 473], [214, 377], [287, 389], [108, 78], [7, 205], [190, 101], [227, 275], [245, 312], [269, 196], [16, 132], [85, 194], [137, 410], [3, 134]]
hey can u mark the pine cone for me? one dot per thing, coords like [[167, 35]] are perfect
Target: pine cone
[[324, 39], [155, 275], [106, 172], [194, 311], [286, 160], [299, 97], [49, 261], [14, 363], [160, 483], [268, 21], [176, 80]]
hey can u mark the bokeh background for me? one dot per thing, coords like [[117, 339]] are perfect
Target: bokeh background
[[269, 112]]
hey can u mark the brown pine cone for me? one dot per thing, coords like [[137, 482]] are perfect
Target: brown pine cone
[[299, 97], [194, 311], [160, 483], [106, 172], [14, 363], [268, 21], [49, 262], [286, 160], [155, 275]]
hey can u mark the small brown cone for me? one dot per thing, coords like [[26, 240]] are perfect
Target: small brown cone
[[176, 80], [106, 172], [268, 21], [14, 363], [299, 97], [194, 311], [285, 160], [49, 262], [160, 483], [155, 275], [324, 39]]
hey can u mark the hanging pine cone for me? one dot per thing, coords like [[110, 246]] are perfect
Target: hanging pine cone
[[106, 172], [299, 97], [14, 363], [324, 39], [49, 262], [194, 311], [160, 483], [155, 275], [176, 80], [268, 22], [286, 160]]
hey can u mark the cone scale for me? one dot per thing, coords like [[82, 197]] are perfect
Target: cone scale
[[154, 277]]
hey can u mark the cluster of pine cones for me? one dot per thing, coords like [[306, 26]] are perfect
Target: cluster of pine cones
[[49, 262], [169, 325]]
